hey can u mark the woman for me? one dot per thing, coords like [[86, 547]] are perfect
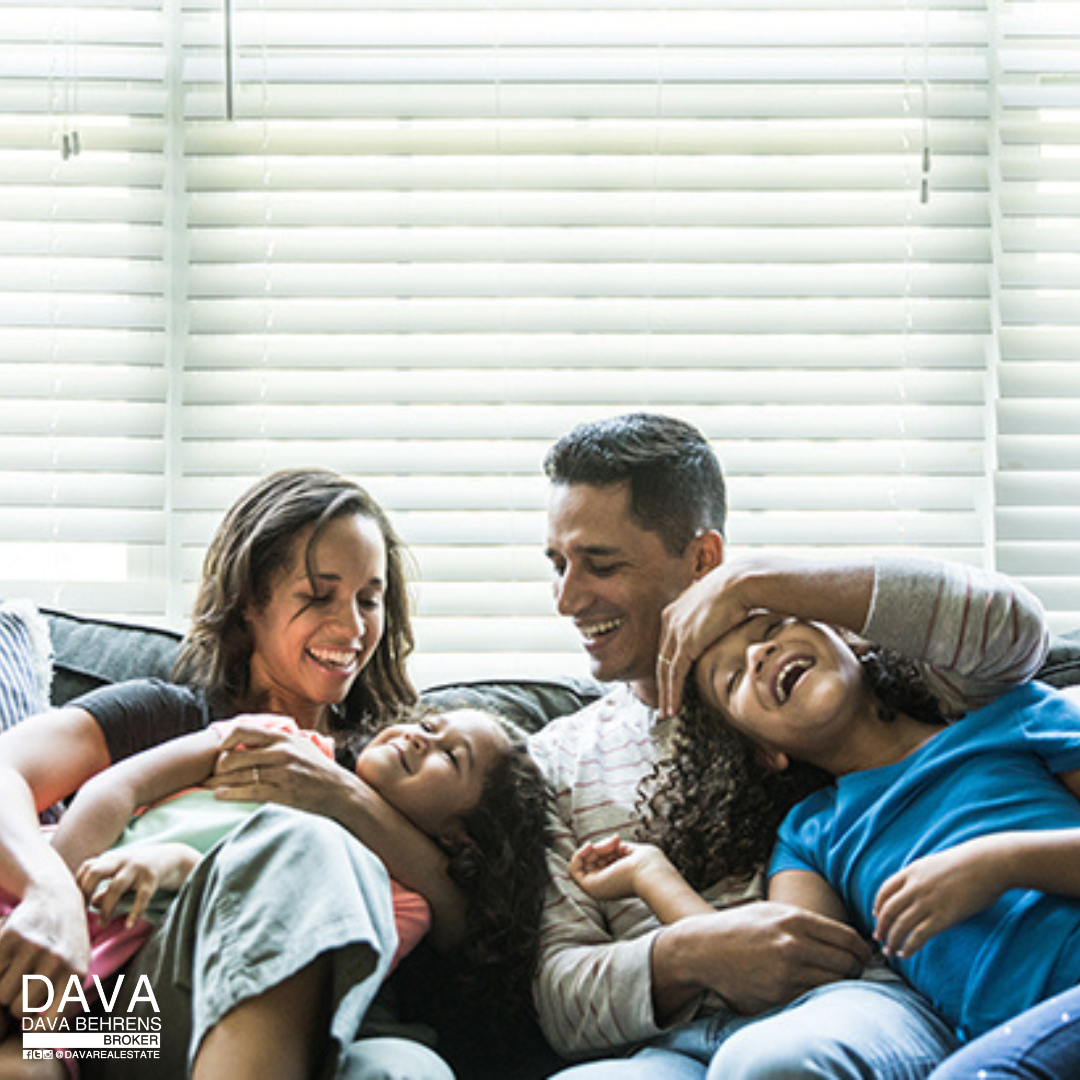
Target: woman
[[302, 611]]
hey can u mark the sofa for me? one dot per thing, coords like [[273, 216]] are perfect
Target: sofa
[[89, 653]]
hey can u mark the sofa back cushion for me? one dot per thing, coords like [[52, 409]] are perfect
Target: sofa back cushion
[[88, 653], [1062, 665], [529, 703], [93, 652]]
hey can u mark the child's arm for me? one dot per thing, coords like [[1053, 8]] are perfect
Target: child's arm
[[938, 891], [140, 870], [616, 870], [105, 803], [808, 890]]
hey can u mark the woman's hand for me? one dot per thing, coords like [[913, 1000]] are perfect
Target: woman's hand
[[139, 870], [274, 766], [259, 765], [936, 892], [45, 935]]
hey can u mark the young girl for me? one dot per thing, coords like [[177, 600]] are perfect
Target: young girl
[[956, 847], [302, 612], [463, 777]]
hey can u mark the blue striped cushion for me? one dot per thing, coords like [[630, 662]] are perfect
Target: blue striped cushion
[[24, 659]]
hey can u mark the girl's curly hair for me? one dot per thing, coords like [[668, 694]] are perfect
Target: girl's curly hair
[[714, 807], [501, 869], [503, 872]]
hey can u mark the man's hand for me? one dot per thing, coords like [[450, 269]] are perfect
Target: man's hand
[[45, 935], [755, 956], [838, 593], [693, 622]]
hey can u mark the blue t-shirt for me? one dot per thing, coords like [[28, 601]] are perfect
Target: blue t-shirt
[[991, 772]]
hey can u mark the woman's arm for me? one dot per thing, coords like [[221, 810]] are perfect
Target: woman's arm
[[43, 759], [294, 773], [933, 893], [411, 857]]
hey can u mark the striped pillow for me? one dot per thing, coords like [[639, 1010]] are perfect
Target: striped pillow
[[25, 662]]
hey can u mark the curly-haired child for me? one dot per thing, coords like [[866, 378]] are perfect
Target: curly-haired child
[[462, 776]]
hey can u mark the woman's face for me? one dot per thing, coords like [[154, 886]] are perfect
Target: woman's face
[[433, 770], [314, 636], [795, 688]]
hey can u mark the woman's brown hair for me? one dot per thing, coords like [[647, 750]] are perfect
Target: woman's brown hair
[[257, 539]]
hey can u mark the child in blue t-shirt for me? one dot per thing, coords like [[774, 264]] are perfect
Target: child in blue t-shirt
[[955, 846]]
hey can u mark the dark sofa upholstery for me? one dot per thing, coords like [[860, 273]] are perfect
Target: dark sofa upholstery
[[92, 652], [95, 652]]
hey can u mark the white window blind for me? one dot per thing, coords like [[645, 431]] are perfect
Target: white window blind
[[436, 235], [417, 241], [1038, 172], [83, 316]]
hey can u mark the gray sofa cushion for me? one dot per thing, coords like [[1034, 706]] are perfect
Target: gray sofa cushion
[[529, 703], [89, 653], [94, 652], [1062, 667]]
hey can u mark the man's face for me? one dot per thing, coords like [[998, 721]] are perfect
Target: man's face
[[613, 579]]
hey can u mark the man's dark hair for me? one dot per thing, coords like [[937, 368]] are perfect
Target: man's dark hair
[[676, 485]]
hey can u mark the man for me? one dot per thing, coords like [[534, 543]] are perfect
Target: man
[[636, 516]]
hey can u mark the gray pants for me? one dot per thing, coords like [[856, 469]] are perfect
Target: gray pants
[[282, 889]]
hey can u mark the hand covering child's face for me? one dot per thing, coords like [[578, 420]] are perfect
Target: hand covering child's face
[[793, 687], [433, 770]]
